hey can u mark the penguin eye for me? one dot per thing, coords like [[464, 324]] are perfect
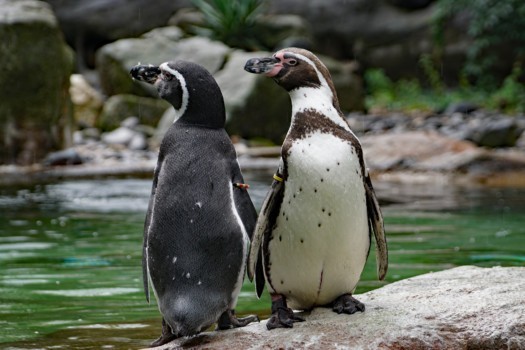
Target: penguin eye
[[292, 62], [167, 76]]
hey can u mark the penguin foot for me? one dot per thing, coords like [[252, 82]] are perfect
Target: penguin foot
[[228, 320], [166, 335], [282, 315], [347, 304]]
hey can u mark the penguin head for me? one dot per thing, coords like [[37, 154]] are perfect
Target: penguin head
[[293, 68], [190, 89]]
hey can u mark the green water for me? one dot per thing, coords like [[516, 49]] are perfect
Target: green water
[[70, 254]]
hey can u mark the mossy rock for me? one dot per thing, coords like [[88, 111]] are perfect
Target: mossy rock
[[119, 107], [34, 82], [115, 60]]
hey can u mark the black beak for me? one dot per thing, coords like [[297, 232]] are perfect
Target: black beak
[[260, 65], [144, 73]]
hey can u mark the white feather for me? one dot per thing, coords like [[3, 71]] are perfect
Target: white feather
[[185, 94], [320, 243]]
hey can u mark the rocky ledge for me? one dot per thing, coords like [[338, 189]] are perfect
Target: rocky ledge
[[462, 308]]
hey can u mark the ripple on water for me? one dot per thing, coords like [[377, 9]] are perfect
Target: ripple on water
[[25, 246], [93, 292]]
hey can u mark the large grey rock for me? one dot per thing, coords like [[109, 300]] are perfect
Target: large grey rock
[[112, 19], [34, 80], [115, 60], [379, 33], [255, 105], [87, 101], [421, 151], [502, 132], [117, 108], [462, 308]]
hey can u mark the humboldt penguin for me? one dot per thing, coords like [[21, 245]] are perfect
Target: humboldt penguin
[[200, 217], [313, 234]]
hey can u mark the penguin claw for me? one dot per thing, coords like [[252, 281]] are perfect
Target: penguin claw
[[282, 315], [347, 304], [283, 318], [166, 335], [228, 320]]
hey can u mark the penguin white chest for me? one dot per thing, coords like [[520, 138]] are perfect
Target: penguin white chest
[[320, 241]]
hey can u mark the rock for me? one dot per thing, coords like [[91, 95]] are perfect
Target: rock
[[502, 132], [461, 107], [34, 82], [279, 31], [417, 150], [462, 308], [164, 124], [87, 102], [119, 136], [348, 83], [255, 105], [138, 142], [187, 19], [88, 25], [115, 60], [148, 110], [66, 157]]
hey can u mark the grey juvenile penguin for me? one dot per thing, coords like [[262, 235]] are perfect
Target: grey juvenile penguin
[[313, 234], [200, 217]]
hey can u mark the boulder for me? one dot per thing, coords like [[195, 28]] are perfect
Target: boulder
[[427, 151], [34, 82], [87, 102], [115, 60], [381, 33], [88, 25], [500, 132], [466, 307], [255, 105], [117, 108]]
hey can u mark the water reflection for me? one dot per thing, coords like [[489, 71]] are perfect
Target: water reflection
[[70, 253]]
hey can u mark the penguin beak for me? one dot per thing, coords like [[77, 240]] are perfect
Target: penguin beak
[[145, 73], [268, 65]]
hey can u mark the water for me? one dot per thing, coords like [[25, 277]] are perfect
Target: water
[[70, 254]]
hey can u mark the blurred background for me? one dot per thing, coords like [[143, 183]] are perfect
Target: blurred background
[[433, 88]]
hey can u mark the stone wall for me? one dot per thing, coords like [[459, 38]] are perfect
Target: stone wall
[[35, 66]]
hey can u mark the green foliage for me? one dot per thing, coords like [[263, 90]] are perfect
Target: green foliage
[[511, 95], [230, 21], [408, 95], [491, 23]]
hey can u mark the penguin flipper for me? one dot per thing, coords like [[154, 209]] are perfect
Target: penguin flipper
[[376, 226], [147, 223], [262, 228], [243, 203]]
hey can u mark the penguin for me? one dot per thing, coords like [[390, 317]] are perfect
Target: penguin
[[200, 218], [313, 233]]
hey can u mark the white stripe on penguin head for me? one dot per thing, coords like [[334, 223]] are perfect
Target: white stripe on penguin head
[[185, 94], [321, 77]]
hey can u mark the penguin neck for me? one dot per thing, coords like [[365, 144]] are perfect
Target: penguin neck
[[319, 99], [205, 110]]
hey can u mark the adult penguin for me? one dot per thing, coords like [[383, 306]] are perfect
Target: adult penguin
[[200, 217], [313, 234]]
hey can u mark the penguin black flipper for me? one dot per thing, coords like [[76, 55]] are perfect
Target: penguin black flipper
[[147, 222], [243, 203], [263, 228], [376, 226]]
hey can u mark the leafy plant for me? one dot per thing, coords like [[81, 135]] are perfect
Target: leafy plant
[[490, 24], [231, 21], [511, 95]]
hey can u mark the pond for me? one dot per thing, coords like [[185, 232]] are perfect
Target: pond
[[70, 253]]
